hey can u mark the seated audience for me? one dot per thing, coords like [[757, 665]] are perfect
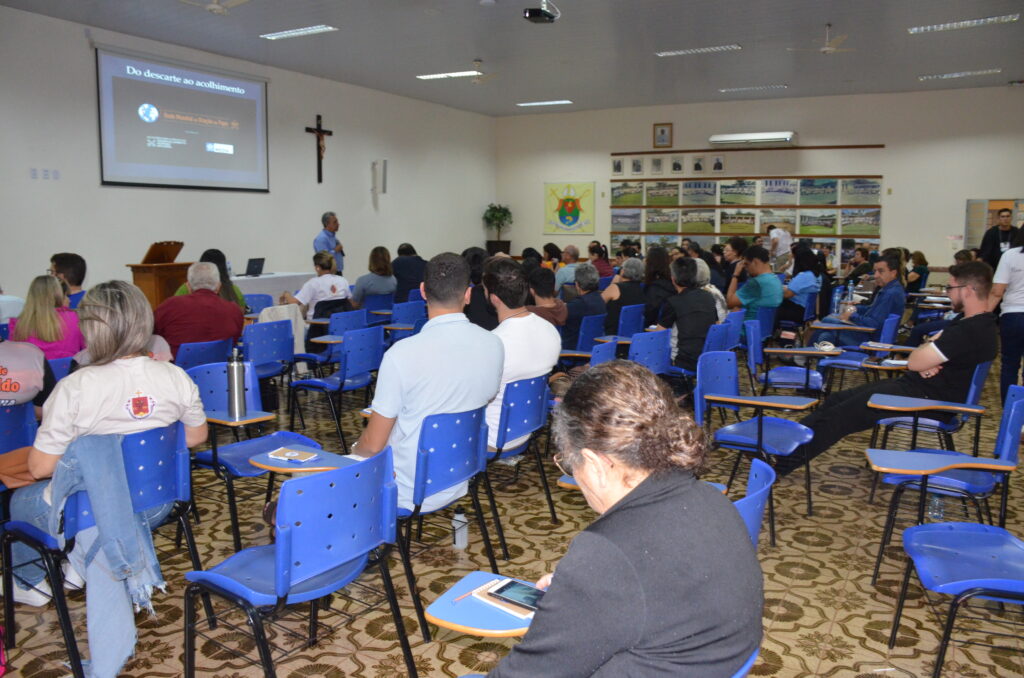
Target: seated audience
[[802, 287], [46, 320], [545, 303], [325, 286], [531, 343], [531, 253], [963, 256], [889, 298], [858, 266], [25, 376], [79, 445], [732, 255], [691, 313], [588, 302], [552, 258], [1008, 296], [478, 310], [380, 279], [566, 275], [201, 315], [657, 283], [626, 289], [450, 366], [918, 271], [940, 369], [666, 579], [763, 288], [408, 269], [70, 268], [228, 290], [599, 258], [156, 348], [704, 283], [695, 251]]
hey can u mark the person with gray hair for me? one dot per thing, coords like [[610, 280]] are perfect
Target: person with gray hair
[[567, 274], [200, 315], [626, 289], [327, 240], [704, 282], [589, 302]]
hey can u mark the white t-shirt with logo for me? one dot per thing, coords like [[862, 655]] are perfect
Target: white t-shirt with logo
[[1010, 272], [780, 240], [322, 288], [532, 345], [130, 395]]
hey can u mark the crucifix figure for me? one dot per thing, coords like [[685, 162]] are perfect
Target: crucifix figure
[[321, 146]]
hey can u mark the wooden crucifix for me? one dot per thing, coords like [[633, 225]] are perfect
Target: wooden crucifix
[[321, 146]]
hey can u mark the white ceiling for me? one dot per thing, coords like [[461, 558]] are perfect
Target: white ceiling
[[600, 54]]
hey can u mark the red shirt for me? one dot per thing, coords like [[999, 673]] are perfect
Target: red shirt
[[199, 316], [604, 269]]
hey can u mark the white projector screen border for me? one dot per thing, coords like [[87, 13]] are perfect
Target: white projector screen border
[[223, 114]]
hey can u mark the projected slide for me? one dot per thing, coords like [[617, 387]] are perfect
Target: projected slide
[[168, 125]]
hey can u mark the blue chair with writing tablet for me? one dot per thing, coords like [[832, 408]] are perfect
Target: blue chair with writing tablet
[[202, 352], [258, 302]]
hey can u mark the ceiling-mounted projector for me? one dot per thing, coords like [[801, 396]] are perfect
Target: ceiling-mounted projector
[[547, 13], [754, 139]]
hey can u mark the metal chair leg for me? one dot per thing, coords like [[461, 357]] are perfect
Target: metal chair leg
[[396, 612], [900, 602], [771, 515], [414, 592], [193, 554], [498, 529], [190, 630], [940, 658], [478, 509], [236, 536], [890, 522], [546, 486]]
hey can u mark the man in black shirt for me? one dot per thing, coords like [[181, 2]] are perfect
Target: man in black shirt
[[408, 268], [940, 368], [692, 311], [999, 238]]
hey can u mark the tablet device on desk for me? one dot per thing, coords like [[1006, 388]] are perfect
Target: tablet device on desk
[[294, 456], [519, 594]]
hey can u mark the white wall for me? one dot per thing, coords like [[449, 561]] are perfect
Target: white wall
[[441, 168], [941, 149]]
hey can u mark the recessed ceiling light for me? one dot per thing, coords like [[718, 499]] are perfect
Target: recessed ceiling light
[[555, 102], [699, 50], [959, 74], [299, 32], [967, 23], [756, 88], [454, 74]]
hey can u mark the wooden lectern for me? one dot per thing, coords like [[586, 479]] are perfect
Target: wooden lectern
[[158, 276]]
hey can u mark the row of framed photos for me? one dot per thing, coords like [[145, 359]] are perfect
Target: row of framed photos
[[668, 164], [813, 191], [855, 221]]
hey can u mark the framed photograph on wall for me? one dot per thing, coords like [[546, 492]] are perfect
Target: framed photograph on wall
[[698, 164], [718, 163], [657, 165], [636, 166], [677, 164], [617, 167], [662, 135]]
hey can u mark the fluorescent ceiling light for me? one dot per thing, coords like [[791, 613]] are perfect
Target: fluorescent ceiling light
[[556, 102], [299, 32], [960, 74], [967, 23], [699, 50], [454, 74], [757, 88]]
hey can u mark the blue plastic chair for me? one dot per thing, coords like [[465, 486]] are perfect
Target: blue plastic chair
[[751, 507], [591, 327], [780, 377], [734, 319], [852, 359], [17, 427], [415, 295], [763, 436], [157, 470], [361, 353], [974, 485], [603, 352], [231, 462], [378, 302], [652, 350], [452, 450], [717, 339], [810, 313], [5, 331], [965, 561], [603, 283], [60, 367], [406, 314], [631, 320], [524, 412], [270, 347], [338, 324], [329, 528], [258, 302], [202, 352]]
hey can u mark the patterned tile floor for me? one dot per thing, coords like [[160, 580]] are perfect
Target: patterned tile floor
[[822, 617]]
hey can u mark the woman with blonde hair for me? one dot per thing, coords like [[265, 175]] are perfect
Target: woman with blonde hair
[[46, 320]]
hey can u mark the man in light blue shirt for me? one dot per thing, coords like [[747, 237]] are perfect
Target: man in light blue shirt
[[327, 241], [567, 274], [450, 366]]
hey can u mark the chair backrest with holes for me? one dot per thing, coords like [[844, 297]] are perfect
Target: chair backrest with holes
[[716, 373], [202, 352], [340, 323], [751, 507], [603, 352], [416, 295], [755, 353], [269, 342], [60, 367], [652, 350], [212, 381], [17, 426], [408, 312], [591, 327], [631, 320], [452, 449], [327, 519], [717, 338], [379, 302], [258, 302], [735, 322], [524, 409], [1008, 439], [364, 349]]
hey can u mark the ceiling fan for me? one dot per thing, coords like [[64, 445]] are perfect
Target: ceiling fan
[[831, 46], [218, 7], [483, 77]]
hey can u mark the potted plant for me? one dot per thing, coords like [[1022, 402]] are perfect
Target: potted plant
[[497, 217]]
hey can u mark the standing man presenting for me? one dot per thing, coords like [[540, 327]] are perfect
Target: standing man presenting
[[999, 238], [328, 241]]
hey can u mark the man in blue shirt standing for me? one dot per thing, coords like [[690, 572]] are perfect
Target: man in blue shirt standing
[[327, 241], [890, 298]]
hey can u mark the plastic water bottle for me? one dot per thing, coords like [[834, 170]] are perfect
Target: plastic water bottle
[[936, 508], [460, 530], [236, 386]]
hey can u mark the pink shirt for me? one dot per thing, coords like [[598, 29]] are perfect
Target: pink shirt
[[71, 343]]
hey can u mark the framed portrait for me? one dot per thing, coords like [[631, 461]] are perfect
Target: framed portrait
[[636, 166], [677, 164], [662, 134], [617, 167], [718, 163], [657, 165], [698, 164]]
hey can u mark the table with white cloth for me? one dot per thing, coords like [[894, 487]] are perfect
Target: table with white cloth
[[271, 283], [10, 307]]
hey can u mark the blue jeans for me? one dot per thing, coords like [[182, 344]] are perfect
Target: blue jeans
[[110, 617], [1011, 336]]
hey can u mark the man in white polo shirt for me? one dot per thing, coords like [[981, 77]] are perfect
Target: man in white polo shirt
[[450, 366], [532, 344]]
